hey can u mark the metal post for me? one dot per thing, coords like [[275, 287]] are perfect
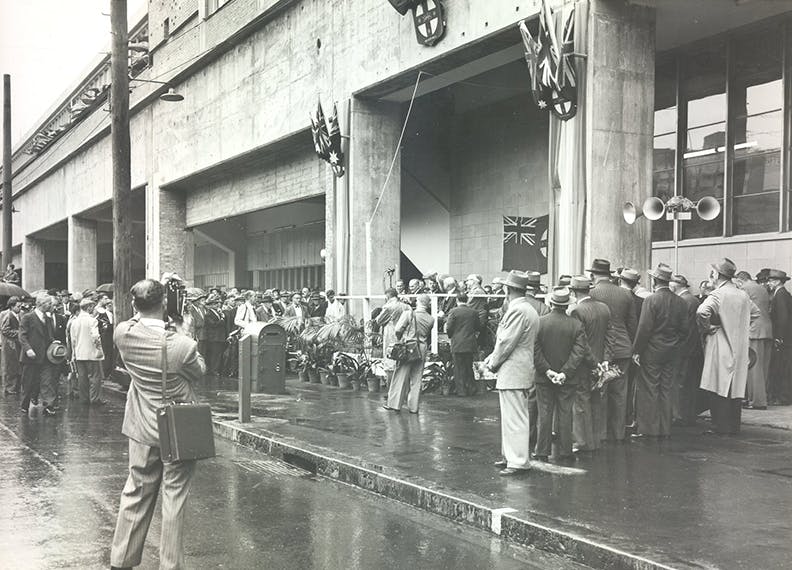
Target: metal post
[[676, 244], [7, 207], [245, 373], [122, 177], [435, 328]]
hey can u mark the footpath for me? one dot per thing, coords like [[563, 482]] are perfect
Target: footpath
[[694, 501]]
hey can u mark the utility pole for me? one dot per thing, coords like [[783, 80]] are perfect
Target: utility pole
[[122, 177], [6, 171]]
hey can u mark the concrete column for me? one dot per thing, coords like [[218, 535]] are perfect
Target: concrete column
[[32, 264], [374, 140], [81, 256], [168, 243], [620, 124]]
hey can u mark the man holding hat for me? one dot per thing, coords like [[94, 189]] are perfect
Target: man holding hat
[[35, 336], [588, 413], [781, 358], [690, 360], [561, 349], [662, 328], [86, 352], [618, 343], [724, 318], [513, 361]]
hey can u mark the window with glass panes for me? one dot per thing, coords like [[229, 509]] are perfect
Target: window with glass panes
[[719, 131]]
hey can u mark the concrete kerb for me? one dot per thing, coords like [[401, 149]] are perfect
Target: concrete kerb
[[500, 521]]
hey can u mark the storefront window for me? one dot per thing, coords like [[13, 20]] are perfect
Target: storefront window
[[704, 92], [665, 135], [757, 108]]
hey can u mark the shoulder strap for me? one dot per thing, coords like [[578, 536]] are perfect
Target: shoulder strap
[[164, 365]]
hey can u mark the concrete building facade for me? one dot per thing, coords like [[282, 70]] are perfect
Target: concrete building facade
[[441, 143]]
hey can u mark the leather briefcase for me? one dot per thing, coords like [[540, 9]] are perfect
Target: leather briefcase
[[185, 429]]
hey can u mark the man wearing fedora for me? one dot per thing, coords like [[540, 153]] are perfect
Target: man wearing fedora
[[760, 339], [662, 328], [629, 279], [724, 318], [561, 351], [618, 345], [588, 413], [86, 352], [534, 287], [781, 358], [513, 361], [690, 359]]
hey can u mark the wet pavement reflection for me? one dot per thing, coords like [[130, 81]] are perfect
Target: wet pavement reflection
[[61, 478]]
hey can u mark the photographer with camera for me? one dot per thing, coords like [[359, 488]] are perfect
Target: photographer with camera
[[145, 344]]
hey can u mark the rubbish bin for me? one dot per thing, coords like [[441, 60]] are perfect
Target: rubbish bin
[[268, 354]]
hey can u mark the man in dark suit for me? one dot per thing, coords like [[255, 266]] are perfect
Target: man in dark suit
[[629, 280], [662, 328], [35, 336], [781, 360], [140, 344], [690, 360], [216, 335], [588, 417], [561, 348], [461, 327], [618, 343]]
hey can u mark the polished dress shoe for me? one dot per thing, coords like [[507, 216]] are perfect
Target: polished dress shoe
[[542, 458], [511, 471], [24, 410], [48, 411], [502, 463], [391, 409]]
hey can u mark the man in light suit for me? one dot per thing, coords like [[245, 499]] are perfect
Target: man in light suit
[[760, 340], [85, 344], [35, 336], [140, 344], [513, 361]]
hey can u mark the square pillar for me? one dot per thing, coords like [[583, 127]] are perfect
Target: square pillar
[[620, 125], [169, 246], [81, 256], [32, 264], [374, 140]]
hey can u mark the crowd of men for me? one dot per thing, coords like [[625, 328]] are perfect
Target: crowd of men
[[57, 345]]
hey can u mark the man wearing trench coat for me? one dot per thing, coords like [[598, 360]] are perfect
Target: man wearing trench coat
[[724, 318]]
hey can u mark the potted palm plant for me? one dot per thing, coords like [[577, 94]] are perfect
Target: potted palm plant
[[345, 367]]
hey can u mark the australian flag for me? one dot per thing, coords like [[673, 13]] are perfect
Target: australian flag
[[327, 138], [525, 243]]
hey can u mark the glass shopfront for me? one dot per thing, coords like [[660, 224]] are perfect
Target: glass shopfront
[[719, 131]]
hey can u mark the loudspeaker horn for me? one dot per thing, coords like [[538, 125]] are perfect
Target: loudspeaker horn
[[630, 213], [402, 6], [653, 208], [708, 208]]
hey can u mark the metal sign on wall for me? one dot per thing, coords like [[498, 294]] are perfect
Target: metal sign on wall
[[429, 20]]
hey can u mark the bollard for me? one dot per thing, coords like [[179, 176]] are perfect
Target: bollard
[[245, 376]]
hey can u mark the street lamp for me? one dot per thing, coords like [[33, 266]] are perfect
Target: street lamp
[[677, 208], [170, 95]]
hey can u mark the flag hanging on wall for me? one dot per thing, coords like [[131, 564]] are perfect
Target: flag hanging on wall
[[327, 138], [525, 243]]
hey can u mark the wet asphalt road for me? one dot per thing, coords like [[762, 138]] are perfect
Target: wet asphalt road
[[60, 479]]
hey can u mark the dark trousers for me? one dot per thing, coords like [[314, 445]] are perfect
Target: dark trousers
[[632, 381], [726, 414], [554, 400], [463, 373], [780, 381], [31, 382], [688, 381], [616, 402], [214, 356], [653, 407]]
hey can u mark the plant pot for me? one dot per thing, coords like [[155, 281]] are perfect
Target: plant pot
[[354, 384], [313, 375], [446, 390], [324, 377], [304, 376], [332, 379], [373, 383], [343, 379]]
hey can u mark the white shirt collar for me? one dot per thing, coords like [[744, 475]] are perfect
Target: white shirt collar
[[155, 323]]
